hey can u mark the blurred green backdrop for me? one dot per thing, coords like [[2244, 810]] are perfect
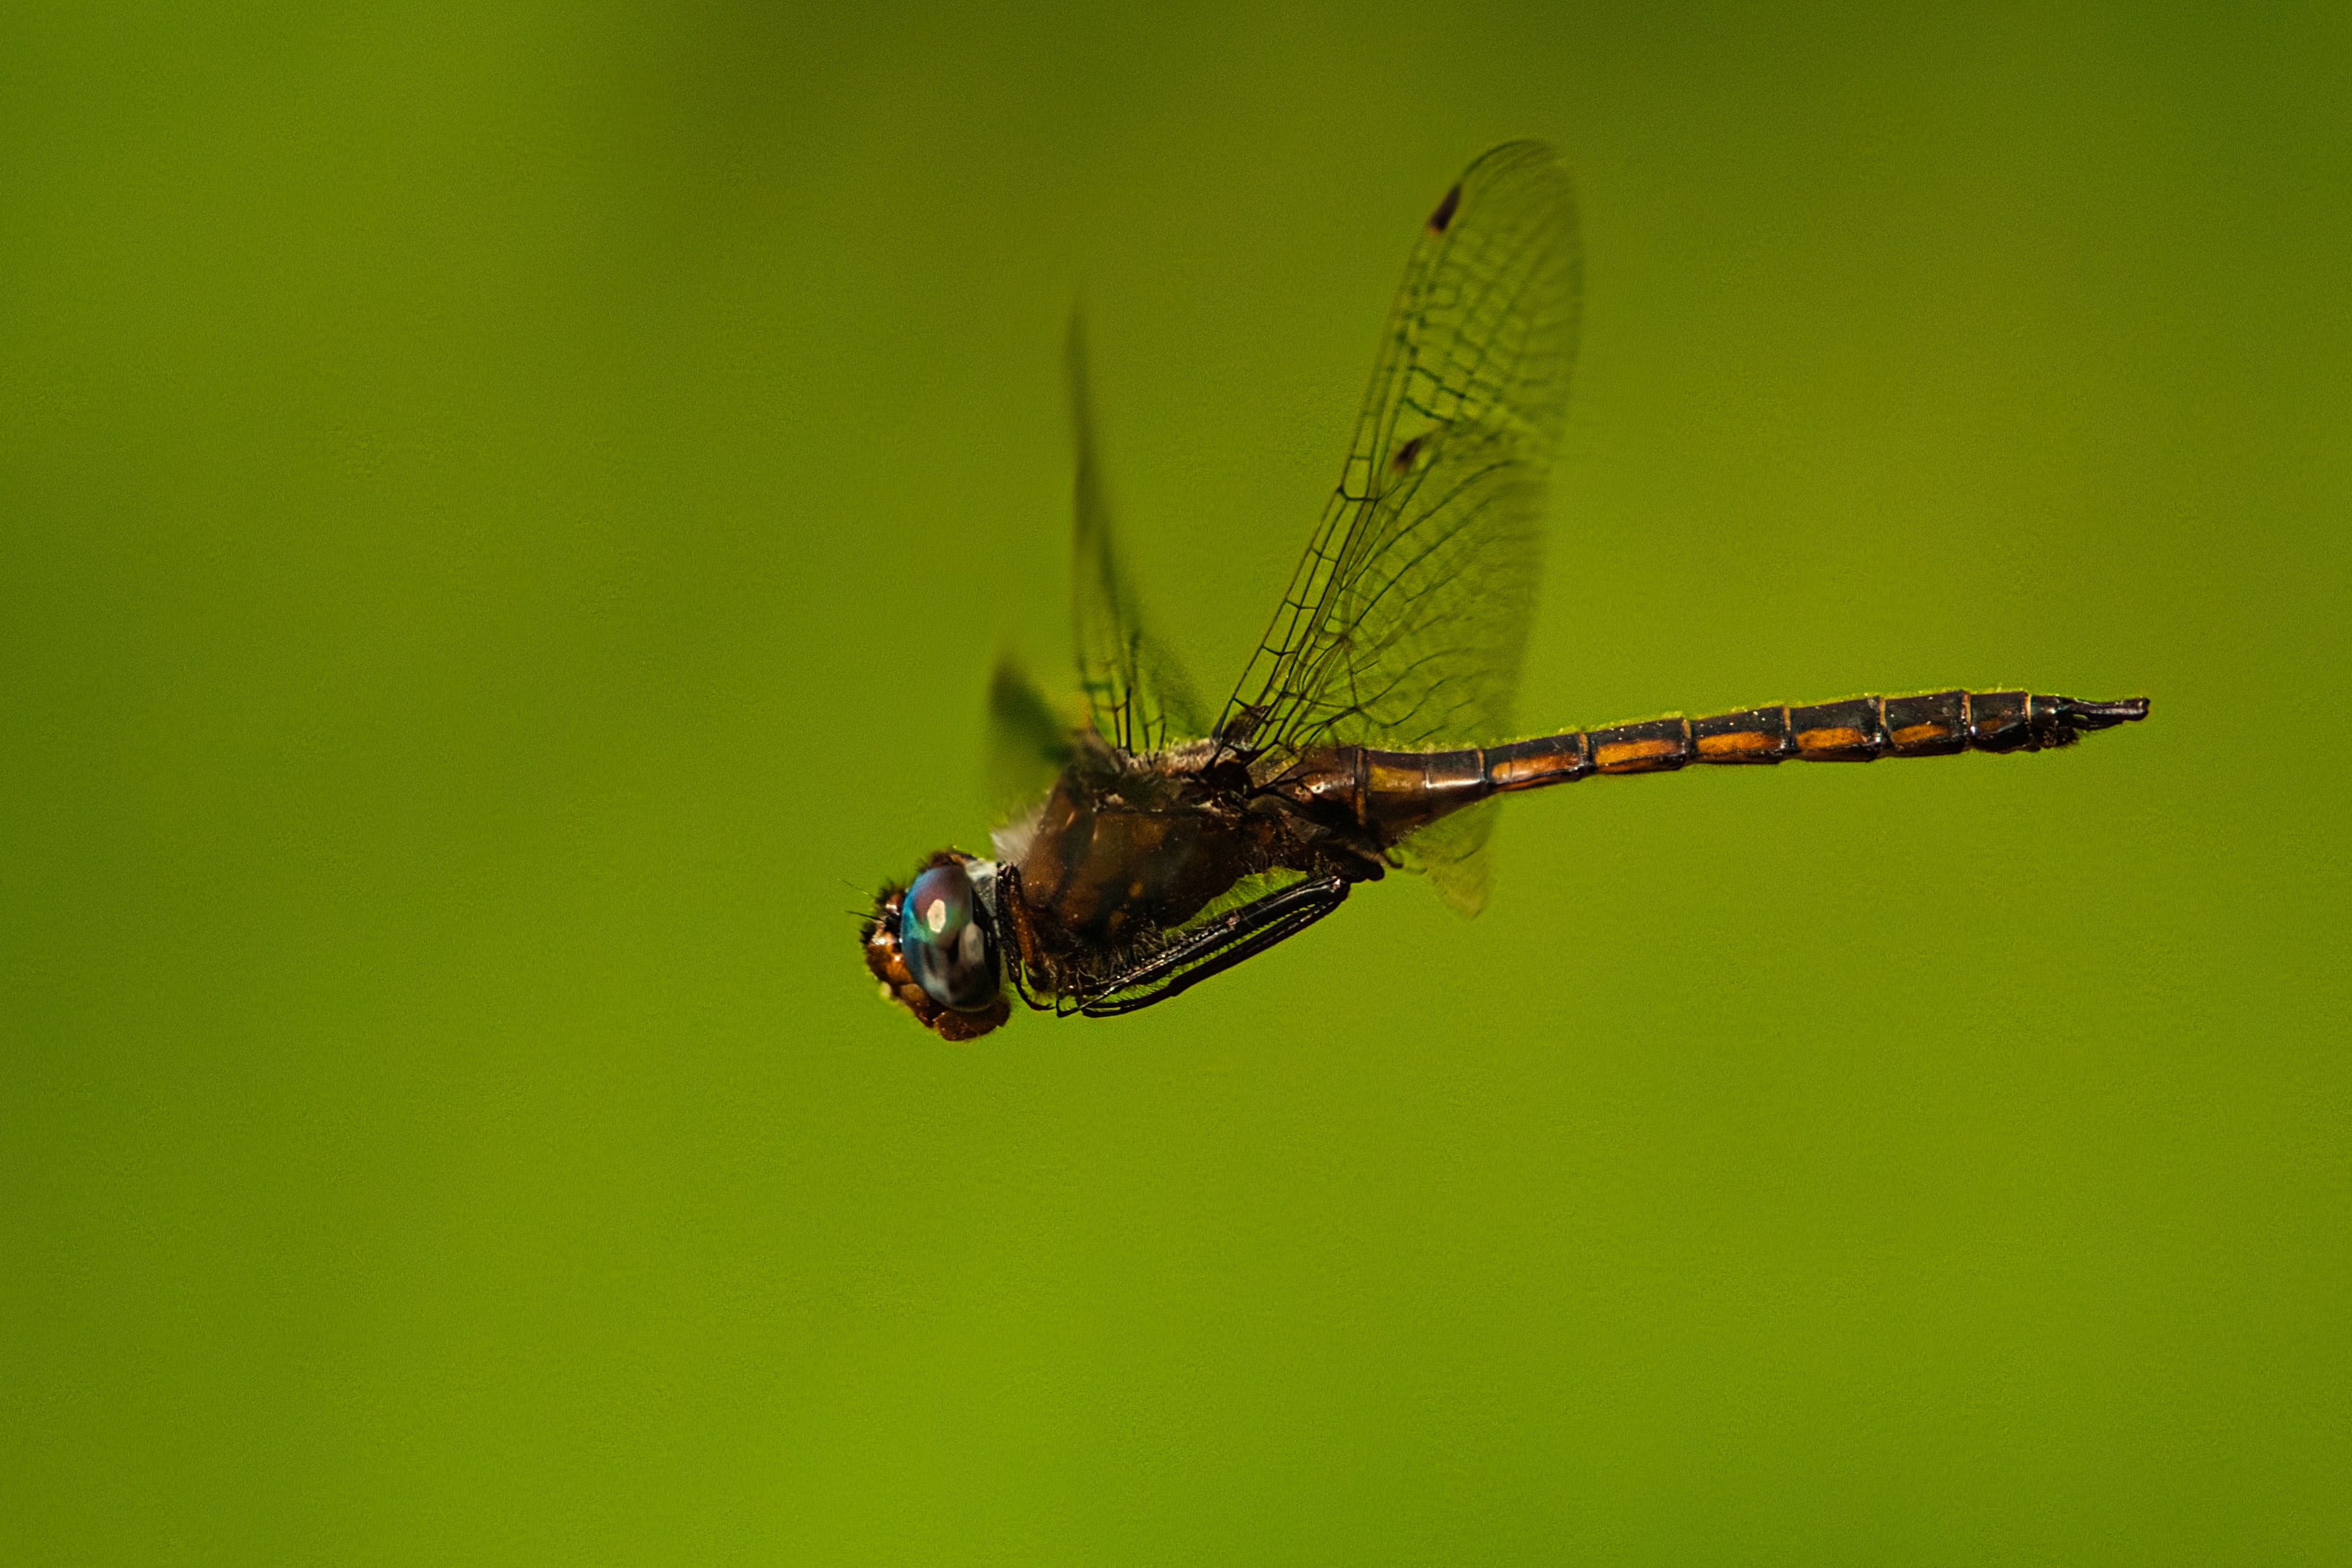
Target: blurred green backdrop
[[507, 512]]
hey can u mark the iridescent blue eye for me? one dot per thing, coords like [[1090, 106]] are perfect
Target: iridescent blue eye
[[945, 945]]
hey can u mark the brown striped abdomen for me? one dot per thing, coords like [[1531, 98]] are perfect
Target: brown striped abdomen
[[1395, 792], [1859, 729]]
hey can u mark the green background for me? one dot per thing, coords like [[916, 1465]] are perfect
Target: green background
[[506, 516]]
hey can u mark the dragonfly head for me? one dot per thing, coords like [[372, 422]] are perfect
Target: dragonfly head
[[933, 947]]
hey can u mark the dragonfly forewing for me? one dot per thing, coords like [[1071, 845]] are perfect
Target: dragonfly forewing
[[1405, 621], [1136, 693]]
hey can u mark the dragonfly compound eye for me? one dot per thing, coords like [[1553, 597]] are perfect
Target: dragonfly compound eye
[[946, 946]]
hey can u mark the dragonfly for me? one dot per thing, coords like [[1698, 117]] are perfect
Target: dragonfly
[[1367, 733]]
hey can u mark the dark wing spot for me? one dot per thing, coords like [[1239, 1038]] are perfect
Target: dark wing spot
[[1407, 452], [1444, 212]]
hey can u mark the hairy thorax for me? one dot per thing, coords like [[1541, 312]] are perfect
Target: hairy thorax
[[1126, 847]]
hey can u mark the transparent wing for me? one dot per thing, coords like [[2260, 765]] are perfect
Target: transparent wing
[[1405, 622], [1028, 740], [1453, 854], [1136, 696]]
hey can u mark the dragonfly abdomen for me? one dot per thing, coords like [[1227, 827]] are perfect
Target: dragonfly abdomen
[[1858, 729], [1397, 791]]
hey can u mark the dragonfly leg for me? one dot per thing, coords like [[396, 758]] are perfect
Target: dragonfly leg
[[1229, 939], [1010, 921]]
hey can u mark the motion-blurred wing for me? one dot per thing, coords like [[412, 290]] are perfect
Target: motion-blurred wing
[[1406, 620], [1136, 694], [1028, 741], [1452, 852]]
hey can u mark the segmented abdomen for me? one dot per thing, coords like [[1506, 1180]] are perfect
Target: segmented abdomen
[[1859, 729], [1394, 792]]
